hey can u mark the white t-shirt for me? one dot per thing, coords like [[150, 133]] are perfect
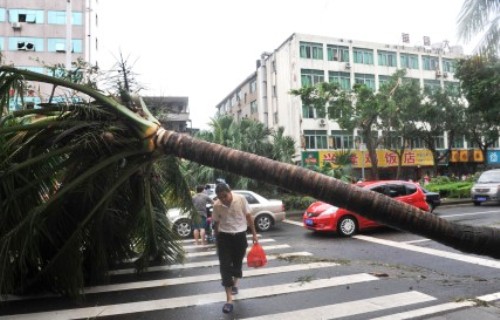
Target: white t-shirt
[[233, 218]]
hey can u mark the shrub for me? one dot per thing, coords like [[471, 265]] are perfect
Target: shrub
[[297, 202], [451, 189]]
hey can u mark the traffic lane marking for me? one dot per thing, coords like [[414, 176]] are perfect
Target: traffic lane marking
[[434, 252]]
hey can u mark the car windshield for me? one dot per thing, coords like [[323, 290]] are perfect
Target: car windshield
[[489, 177]]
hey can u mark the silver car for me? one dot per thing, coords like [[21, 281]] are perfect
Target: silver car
[[266, 213], [486, 188]]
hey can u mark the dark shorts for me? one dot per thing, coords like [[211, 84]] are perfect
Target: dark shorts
[[202, 223]]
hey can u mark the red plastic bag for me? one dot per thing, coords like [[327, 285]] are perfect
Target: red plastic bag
[[256, 256]]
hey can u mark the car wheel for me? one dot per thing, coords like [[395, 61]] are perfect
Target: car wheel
[[183, 228], [347, 226], [263, 222], [476, 203]]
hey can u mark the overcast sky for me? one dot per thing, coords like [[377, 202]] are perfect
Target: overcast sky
[[203, 49]]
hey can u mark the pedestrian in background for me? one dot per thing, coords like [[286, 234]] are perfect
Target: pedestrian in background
[[232, 217], [200, 201]]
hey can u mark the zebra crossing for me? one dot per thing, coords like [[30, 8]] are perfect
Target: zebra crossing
[[294, 285]]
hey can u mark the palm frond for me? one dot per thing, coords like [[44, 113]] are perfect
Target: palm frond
[[76, 196]]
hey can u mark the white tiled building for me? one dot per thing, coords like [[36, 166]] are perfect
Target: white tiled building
[[32, 30], [307, 59]]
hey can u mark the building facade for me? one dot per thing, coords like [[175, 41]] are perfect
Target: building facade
[[39, 33], [172, 112], [308, 59]]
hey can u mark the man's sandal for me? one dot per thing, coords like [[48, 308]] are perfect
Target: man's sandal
[[228, 308]]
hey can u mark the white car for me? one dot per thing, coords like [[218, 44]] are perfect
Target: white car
[[266, 213]]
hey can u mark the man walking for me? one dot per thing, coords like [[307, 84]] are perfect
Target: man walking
[[232, 217], [200, 201]]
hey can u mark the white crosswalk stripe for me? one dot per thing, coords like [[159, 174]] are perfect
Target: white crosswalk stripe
[[211, 263], [300, 274], [213, 252], [345, 309], [193, 300]]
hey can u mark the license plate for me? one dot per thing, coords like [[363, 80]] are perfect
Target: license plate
[[309, 222], [481, 199]]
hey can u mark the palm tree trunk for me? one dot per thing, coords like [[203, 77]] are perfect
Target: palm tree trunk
[[471, 239]]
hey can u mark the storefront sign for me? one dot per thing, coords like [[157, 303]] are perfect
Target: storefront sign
[[493, 157], [385, 158]]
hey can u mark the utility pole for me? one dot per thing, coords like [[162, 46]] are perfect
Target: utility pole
[[69, 29]]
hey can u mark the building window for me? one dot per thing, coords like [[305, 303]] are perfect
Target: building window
[[341, 139], [59, 17], [448, 65], [458, 142], [430, 63], [310, 50], [253, 86], [439, 142], [26, 44], [366, 79], [392, 141], [308, 112], [453, 88], [363, 56], [416, 143], [310, 77], [59, 45], [432, 86], [26, 15], [383, 80], [337, 53], [254, 107], [387, 58], [41, 70], [315, 139], [2, 14], [342, 78], [409, 61]]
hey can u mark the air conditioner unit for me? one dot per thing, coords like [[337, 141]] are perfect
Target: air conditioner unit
[[438, 73], [445, 75], [322, 122], [60, 47], [16, 25], [30, 46], [348, 66]]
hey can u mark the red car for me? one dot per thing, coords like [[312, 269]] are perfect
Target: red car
[[321, 216]]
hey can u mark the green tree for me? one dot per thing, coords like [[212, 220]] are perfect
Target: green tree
[[358, 109], [68, 173], [245, 135], [481, 16], [398, 120], [480, 83], [441, 112]]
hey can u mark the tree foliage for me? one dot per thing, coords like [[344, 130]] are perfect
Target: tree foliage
[[480, 83], [481, 16], [246, 135]]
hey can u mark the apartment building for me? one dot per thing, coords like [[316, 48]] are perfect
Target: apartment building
[[308, 59], [34, 33]]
